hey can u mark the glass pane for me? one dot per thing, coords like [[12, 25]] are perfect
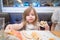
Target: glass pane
[[8, 3]]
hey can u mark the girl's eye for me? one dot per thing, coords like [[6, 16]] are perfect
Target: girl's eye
[[27, 14], [30, 14]]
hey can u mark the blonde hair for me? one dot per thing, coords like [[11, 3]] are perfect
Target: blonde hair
[[26, 12]]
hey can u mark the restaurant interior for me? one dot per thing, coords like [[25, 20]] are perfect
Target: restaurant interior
[[11, 12]]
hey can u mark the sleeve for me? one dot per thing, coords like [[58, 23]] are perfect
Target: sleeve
[[55, 16]]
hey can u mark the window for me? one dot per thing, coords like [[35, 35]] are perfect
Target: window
[[8, 3], [34, 3]]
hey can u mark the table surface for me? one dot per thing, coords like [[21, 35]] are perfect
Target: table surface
[[57, 33], [44, 35]]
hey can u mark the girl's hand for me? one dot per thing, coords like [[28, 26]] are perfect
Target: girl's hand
[[46, 27], [44, 24], [8, 28]]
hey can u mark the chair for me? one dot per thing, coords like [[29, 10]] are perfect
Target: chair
[[15, 17]]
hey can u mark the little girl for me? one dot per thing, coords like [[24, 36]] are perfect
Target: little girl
[[29, 21]]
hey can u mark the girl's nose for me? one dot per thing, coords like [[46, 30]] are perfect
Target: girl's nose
[[30, 15]]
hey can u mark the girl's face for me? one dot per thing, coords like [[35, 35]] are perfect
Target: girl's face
[[30, 18]]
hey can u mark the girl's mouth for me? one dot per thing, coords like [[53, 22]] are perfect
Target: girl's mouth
[[30, 19]]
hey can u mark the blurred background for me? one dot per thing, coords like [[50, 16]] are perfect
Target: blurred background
[[35, 3]]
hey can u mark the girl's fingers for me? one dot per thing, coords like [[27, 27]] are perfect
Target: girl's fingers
[[8, 29], [47, 27]]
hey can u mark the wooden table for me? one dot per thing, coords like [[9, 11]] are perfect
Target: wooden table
[[43, 35], [57, 33]]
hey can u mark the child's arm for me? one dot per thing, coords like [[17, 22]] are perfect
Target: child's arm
[[13, 27]]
